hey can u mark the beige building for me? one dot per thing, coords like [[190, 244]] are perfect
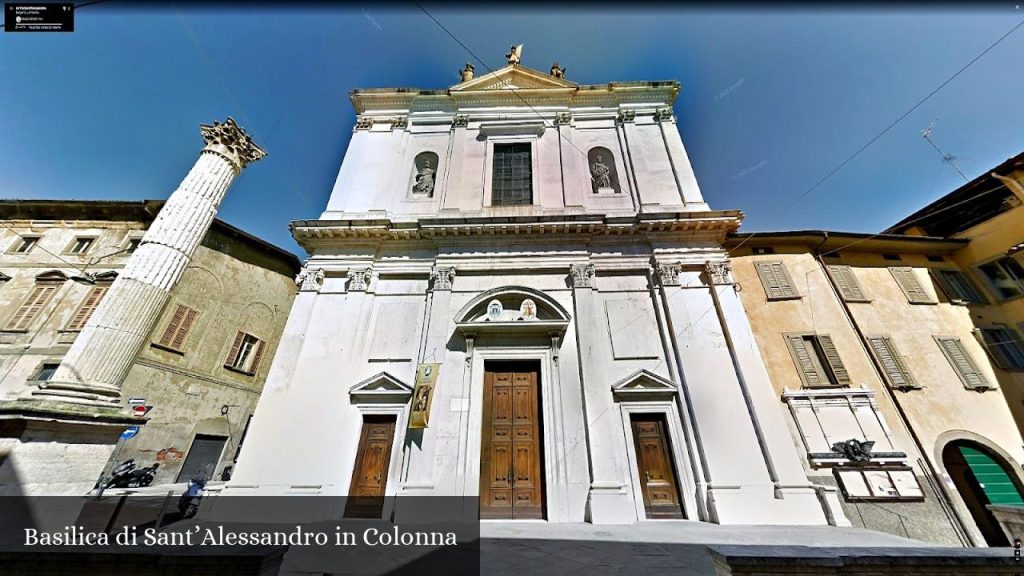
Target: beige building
[[906, 340], [203, 363]]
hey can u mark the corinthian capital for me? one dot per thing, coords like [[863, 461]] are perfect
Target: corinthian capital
[[442, 277], [719, 272], [359, 279], [582, 275], [230, 140], [668, 274], [310, 279]]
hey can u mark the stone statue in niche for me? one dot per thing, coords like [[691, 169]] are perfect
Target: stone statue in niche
[[424, 180], [603, 178], [601, 174]]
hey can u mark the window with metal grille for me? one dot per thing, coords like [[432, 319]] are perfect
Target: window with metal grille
[[512, 177], [46, 371]]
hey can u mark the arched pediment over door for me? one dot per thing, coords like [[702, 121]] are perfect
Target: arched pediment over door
[[513, 309]]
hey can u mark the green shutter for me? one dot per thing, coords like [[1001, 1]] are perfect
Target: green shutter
[[889, 358], [962, 363], [995, 482], [801, 352], [847, 283], [908, 282], [776, 281], [834, 362]]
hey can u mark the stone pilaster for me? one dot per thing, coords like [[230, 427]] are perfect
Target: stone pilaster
[[94, 368]]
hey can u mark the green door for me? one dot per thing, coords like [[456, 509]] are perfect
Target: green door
[[994, 481]]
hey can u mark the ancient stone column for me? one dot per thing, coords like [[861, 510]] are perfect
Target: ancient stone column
[[98, 362]]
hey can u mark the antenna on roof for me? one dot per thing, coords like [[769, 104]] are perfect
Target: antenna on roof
[[946, 157]]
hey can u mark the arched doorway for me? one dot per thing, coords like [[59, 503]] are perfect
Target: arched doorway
[[981, 477]]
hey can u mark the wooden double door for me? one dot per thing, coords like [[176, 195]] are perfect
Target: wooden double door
[[370, 475], [654, 462], [511, 474]]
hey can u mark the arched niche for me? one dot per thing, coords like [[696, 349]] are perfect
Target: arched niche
[[423, 180], [604, 178]]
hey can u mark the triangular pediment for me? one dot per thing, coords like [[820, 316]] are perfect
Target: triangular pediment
[[382, 387], [513, 78], [643, 384]]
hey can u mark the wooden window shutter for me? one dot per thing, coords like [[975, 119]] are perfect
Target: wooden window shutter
[[186, 326], [257, 356], [37, 298], [908, 282], [834, 362], [776, 281], [847, 283], [801, 351], [962, 363], [87, 308], [233, 352], [892, 364]]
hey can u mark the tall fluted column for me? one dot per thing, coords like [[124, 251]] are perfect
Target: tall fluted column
[[97, 363]]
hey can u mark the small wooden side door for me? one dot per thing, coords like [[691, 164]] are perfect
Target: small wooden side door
[[653, 458], [370, 474]]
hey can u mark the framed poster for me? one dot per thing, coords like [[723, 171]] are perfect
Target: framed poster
[[423, 394]]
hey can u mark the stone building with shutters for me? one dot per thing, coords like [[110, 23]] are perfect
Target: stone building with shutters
[[906, 340], [517, 295], [202, 365]]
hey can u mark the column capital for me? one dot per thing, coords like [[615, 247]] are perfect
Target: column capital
[[668, 273], [230, 140], [359, 279], [718, 272], [310, 279], [582, 275], [442, 277]]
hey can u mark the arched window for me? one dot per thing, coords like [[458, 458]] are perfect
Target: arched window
[[424, 175], [603, 176]]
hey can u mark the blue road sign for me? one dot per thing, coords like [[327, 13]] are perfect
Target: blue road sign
[[129, 432]]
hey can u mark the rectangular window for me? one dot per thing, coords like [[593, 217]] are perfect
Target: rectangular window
[[817, 360], [776, 281], [889, 358], [30, 308], [964, 366], [81, 245], [25, 244], [907, 279], [1005, 277], [245, 354], [46, 371], [1005, 347], [87, 307], [957, 287], [846, 282], [512, 177], [177, 330]]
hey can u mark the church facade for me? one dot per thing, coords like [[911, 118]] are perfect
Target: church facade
[[518, 295]]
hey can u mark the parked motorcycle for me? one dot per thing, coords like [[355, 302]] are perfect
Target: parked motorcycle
[[128, 475], [188, 503]]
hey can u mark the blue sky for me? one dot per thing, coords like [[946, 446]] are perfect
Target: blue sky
[[771, 100]]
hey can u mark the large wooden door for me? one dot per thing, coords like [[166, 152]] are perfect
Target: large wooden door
[[511, 484], [370, 475], [657, 476]]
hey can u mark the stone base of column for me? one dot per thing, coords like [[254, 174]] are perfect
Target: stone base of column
[[95, 394], [610, 503]]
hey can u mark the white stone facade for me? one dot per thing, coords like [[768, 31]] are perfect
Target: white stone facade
[[635, 310]]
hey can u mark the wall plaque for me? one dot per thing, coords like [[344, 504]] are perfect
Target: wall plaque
[[423, 394]]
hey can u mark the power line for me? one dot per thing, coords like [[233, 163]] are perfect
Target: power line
[[842, 164]]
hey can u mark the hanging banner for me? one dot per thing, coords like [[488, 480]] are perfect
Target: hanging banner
[[423, 394]]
